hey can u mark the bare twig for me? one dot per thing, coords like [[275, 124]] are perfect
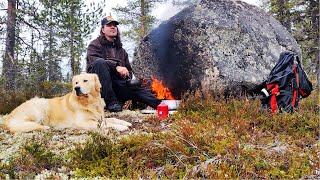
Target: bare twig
[[28, 45], [33, 27], [163, 146]]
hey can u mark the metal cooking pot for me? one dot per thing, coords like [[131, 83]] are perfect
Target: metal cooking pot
[[133, 83], [172, 104]]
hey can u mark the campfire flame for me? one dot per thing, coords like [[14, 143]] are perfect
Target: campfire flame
[[160, 90]]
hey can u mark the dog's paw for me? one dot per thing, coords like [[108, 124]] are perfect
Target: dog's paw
[[116, 124], [117, 121], [120, 127], [46, 127], [103, 125], [125, 123]]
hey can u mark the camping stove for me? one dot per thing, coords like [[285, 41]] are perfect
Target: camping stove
[[172, 104]]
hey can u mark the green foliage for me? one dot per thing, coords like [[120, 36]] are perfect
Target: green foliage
[[11, 99], [128, 157], [33, 158], [49, 89], [137, 17], [301, 18], [209, 138], [6, 170], [47, 35]]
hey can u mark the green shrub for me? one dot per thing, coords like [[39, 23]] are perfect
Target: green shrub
[[209, 138], [128, 157], [11, 99], [33, 158], [212, 138]]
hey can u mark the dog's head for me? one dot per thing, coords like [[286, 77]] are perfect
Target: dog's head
[[85, 84]]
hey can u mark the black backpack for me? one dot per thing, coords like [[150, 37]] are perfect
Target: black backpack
[[287, 83]]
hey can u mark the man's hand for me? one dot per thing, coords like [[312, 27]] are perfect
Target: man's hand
[[123, 71]]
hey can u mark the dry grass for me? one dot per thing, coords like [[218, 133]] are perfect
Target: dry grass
[[208, 138], [11, 99]]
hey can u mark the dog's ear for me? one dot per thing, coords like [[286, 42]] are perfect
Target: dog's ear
[[97, 83]]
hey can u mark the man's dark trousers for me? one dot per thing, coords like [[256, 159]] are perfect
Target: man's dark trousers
[[115, 88]]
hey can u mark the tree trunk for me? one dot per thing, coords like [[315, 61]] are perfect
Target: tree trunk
[[9, 69], [315, 25], [142, 19], [318, 51], [72, 55], [50, 59], [73, 63]]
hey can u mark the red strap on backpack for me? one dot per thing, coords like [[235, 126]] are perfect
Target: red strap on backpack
[[295, 91], [303, 94], [274, 92]]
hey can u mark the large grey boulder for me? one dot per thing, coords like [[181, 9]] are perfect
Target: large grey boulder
[[220, 46]]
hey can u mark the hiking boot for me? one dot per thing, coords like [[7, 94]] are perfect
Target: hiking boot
[[116, 107]]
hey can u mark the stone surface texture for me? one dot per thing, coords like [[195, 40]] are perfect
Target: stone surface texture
[[219, 46]]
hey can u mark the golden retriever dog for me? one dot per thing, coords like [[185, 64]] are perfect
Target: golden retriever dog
[[83, 108]]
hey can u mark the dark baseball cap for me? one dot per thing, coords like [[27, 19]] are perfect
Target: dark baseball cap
[[108, 20]]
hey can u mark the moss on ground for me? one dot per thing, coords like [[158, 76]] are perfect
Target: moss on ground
[[208, 138]]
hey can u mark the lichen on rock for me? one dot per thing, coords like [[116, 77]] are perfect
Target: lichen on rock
[[213, 45]]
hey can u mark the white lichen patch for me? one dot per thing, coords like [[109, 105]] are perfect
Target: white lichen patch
[[61, 142]]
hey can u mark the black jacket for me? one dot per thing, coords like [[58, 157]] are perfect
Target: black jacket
[[113, 53]]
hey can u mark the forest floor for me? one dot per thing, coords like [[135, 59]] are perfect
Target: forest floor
[[207, 138], [63, 140]]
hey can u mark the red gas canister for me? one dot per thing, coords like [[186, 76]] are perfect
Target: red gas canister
[[163, 110]]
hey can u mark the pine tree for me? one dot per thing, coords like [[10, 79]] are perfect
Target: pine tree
[[137, 17], [46, 33], [76, 23], [301, 18], [9, 62]]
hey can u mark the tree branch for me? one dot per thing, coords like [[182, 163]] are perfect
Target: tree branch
[[30, 25], [28, 45]]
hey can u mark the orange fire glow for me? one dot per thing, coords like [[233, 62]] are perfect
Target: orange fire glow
[[160, 90]]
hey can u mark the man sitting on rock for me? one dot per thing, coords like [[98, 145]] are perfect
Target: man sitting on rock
[[107, 58]]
